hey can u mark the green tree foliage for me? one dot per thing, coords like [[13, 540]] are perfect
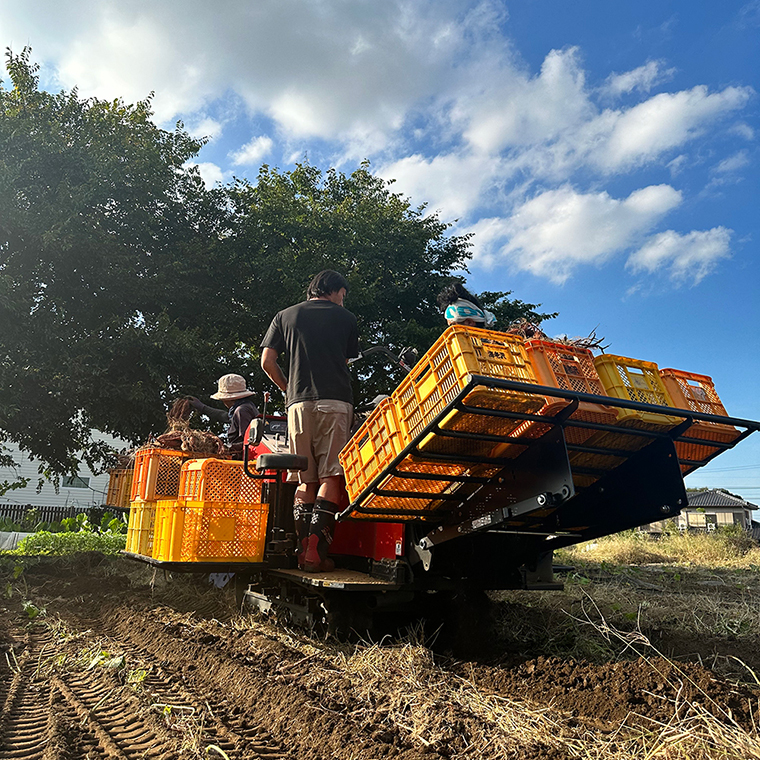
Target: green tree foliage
[[105, 299], [291, 225], [124, 282], [396, 257]]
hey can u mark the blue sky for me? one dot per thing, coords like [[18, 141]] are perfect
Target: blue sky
[[603, 154]]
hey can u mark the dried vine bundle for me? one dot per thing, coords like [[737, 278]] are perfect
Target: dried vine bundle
[[526, 330], [179, 435], [529, 330], [591, 341]]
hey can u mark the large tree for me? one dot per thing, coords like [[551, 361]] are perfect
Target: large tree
[[105, 264], [396, 257], [124, 282]]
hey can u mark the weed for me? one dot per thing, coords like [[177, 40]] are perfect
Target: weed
[[32, 610], [136, 677]]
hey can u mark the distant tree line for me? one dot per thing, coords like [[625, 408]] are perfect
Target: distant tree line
[[125, 282]]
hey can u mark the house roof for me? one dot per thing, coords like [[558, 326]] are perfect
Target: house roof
[[717, 498]]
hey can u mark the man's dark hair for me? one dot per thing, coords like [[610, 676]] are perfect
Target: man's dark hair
[[325, 283], [452, 293]]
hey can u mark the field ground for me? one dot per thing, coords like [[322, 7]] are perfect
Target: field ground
[[103, 658]]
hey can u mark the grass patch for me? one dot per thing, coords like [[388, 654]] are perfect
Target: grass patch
[[723, 548], [58, 544]]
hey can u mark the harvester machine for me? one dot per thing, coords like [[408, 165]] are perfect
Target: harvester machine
[[491, 454]]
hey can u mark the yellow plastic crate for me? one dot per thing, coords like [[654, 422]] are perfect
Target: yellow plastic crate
[[372, 448], [217, 480], [208, 531], [119, 488], [140, 529], [444, 371], [156, 473], [635, 380]]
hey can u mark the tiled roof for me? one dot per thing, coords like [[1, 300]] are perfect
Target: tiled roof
[[716, 498]]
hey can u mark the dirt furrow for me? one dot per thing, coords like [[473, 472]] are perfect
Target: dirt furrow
[[201, 720], [241, 683]]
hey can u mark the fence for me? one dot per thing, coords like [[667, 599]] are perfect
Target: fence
[[17, 512]]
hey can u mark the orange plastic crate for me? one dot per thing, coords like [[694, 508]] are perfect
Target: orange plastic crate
[[140, 528], [119, 488], [374, 445], [217, 480], [696, 393], [570, 368], [156, 473], [444, 371], [209, 531], [635, 380]]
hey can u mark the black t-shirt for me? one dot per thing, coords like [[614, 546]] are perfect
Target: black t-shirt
[[318, 336]]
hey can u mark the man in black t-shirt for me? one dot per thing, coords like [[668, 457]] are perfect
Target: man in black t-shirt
[[318, 336]]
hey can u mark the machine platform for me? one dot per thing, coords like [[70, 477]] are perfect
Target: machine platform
[[346, 580]]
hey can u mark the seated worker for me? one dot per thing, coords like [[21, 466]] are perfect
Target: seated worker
[[460, 307], [232, 392]]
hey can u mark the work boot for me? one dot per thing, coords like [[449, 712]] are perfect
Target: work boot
[[302, 514], [320, 537]]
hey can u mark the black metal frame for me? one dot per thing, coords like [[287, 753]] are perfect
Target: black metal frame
[[562, 420]]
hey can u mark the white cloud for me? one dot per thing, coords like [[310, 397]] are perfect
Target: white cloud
[[664, 122], [357, 74], [743, 130], [686, 258], [452, 183], [205, 127], [318, 69], [558, 230], [678, 164], [733, 163], [431, 90], [509, 109], [642, 79], [211, 174], [253, 152]]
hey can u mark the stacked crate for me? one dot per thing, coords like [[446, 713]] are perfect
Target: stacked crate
[[571, 368], [633, 380], [696, 393], [155, 478], [435, 381], [218, 516], [119, 488]]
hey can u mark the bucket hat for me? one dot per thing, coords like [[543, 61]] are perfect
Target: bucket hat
[[231, 387]]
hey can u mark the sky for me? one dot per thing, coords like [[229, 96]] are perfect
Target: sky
[[604, 155]]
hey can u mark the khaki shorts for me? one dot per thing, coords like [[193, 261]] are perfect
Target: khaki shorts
[[318, 430]]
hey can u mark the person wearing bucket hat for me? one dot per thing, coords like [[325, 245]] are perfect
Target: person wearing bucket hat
[[234, 394]]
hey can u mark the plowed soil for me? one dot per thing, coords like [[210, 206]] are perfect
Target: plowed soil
[[105, 659]]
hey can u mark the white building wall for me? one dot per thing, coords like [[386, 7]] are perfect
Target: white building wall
[[93, 495]]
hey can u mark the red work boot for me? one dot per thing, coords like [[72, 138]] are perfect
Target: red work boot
[[320, 538]]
